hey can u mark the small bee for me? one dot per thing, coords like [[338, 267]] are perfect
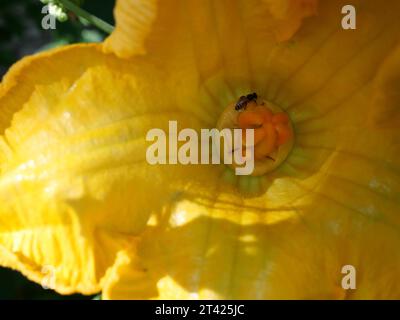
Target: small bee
[[244, 100]]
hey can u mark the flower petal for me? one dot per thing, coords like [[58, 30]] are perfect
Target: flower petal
[[249, 255], [384, 105], [289, 14], [196, 36], [75, 186], [335, 201]]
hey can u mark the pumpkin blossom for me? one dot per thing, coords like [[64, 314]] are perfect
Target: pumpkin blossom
[[77, 194]]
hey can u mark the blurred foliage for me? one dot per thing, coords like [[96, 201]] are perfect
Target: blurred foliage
[[21, 34], [16, 287]]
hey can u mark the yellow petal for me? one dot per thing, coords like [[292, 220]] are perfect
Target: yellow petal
[[19, 83], [335, 200], [195, 37], [289, 14], [300, 254], [384, 105], [85, 136], [134, 20], [140, 22], [75, 187], [28, 241]]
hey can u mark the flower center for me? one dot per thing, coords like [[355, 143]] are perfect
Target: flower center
[[273, 131]]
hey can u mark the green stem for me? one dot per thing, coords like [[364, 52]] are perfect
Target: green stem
[[101, 24]]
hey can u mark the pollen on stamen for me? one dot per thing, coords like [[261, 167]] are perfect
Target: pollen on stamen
[[273, 131]]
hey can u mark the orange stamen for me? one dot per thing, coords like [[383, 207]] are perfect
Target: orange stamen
[[284, 133], [267, 145], [250, 120], [280, 117], [259, 134], [270, 130], [265, 113]]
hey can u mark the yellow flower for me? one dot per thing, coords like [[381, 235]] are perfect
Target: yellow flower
[[77, 194]]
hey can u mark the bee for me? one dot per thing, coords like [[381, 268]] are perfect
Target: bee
[[244, 100]]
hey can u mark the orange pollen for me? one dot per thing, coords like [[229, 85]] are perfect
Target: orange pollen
[[270, 130]]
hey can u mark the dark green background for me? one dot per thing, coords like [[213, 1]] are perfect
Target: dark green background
[[20, 35]]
